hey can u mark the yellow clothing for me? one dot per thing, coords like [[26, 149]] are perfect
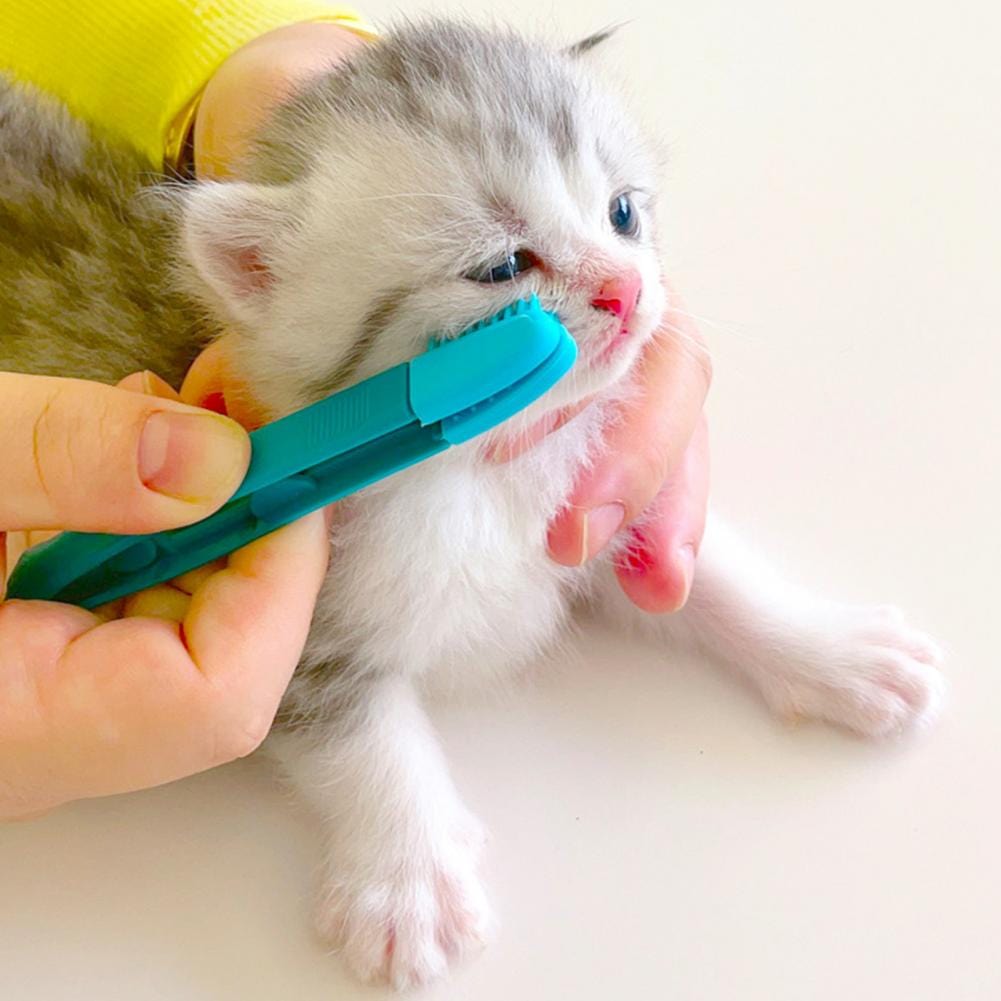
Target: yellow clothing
[[138, 67]]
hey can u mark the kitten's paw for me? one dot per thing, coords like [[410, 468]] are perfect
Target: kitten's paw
[[413, 916], [867, 670]]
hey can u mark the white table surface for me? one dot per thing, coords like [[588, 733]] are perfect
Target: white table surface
[[831, 202]]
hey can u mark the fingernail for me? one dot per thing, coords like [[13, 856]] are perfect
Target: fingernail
[[193, 457], [153, 385], [599, 527], [684, 559]]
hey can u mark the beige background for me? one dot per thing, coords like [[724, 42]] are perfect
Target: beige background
[[832, 206]]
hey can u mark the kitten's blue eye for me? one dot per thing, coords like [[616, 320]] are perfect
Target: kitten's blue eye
[[623, 215], [512, 266]]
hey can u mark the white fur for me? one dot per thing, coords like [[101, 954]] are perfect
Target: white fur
[[439, 576]]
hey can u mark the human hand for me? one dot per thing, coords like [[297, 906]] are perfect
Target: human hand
[[190, 675], [652, 478], [253, 81]]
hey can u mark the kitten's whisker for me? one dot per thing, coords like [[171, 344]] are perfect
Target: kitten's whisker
[[428, 236], [729, 331], [412, 195], [681, 338]]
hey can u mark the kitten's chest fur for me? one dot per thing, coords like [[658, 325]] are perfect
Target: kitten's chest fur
[[441, 573]]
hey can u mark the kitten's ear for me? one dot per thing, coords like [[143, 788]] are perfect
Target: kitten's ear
[[230, 233], [585, 45]]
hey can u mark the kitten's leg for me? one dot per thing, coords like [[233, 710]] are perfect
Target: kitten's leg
[[856, 666], [400, 897]]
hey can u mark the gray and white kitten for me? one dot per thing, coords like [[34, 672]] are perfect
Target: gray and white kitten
[[381, 203]]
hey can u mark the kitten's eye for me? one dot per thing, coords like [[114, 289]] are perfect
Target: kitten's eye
[[512, 266], [623, 215]]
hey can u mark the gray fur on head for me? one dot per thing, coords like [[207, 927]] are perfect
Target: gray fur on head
[[439, 149]]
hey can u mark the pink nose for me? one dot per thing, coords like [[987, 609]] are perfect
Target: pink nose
[[619, 295]]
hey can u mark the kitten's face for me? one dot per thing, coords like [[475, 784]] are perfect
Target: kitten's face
[[448, 174]]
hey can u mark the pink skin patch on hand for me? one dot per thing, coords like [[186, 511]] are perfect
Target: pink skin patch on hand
[[638, 558]]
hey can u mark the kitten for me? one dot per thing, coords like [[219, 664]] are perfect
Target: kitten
[[442, 174]]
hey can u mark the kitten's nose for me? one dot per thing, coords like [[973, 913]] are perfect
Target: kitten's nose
[[619, 295]]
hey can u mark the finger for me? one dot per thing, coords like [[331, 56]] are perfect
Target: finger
[[138, 382], [141, 700], [657, 568], [267, 590], [117, 705], [33, 539], [87, 457], [149, 383], [204, 382], [165, 601], [193, 579], [641, 448], [160, 602], [211, 383], [17, 544], [110, 610], [258, 76], [24, 818]]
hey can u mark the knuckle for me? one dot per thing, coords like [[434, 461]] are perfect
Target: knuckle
[[16, 621], [243, 732], [704, 362], [643, 473], [77, 439], [688, 347]]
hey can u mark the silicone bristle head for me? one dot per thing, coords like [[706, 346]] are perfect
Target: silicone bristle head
[[520, 308], [523, 307]]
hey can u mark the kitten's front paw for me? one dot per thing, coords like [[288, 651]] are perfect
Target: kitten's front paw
[[866, 669], [408, 916]]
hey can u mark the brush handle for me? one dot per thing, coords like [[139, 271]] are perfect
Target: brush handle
[[458, 389]]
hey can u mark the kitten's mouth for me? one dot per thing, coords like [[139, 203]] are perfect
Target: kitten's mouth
[[611, 344], [617, 341]]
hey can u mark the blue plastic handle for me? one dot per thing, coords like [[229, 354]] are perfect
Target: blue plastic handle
[[456, 390]]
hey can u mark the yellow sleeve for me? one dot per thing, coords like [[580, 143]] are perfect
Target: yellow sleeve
[[138, 67]]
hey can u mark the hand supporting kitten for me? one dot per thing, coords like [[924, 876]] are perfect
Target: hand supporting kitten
[[91, 707]]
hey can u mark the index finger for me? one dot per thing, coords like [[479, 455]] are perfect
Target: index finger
[[644, 446]]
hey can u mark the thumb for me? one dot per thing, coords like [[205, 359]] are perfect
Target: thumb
[[87, 457]]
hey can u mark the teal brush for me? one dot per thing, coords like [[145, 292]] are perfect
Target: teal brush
[[456, 390]]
